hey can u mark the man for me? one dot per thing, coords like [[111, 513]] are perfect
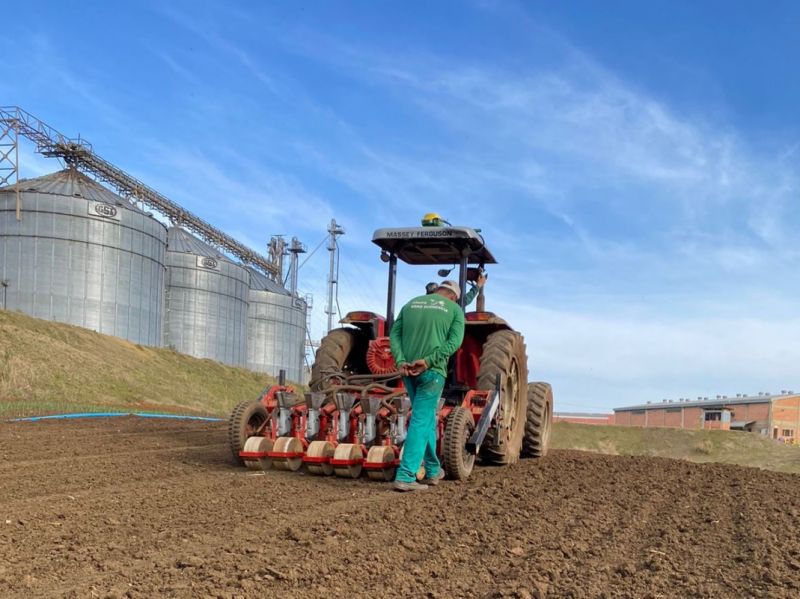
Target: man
[[469, 296], [428, 330]]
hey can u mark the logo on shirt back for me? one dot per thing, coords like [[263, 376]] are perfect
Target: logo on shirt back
[[429, 304]]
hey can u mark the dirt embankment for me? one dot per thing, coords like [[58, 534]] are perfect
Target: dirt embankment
[[48, 367], [139, 508]]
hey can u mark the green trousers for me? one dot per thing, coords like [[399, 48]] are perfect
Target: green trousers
[[420, 445]]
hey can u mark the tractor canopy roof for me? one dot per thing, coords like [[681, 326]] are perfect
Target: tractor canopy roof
[[434, 245]]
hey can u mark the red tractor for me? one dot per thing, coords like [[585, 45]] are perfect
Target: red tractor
[[355, 416]]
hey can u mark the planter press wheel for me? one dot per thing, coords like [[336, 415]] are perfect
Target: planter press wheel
[[381, 454], [351, 453], [320, 449], [258, 445], [291, 445]]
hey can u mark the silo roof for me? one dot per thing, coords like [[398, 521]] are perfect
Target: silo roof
[[73, 183], [180, 240], [260, 282]]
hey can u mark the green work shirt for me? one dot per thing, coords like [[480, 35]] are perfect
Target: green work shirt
[[429, 327]]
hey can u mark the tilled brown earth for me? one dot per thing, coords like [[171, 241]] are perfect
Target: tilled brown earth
[[140, 508]]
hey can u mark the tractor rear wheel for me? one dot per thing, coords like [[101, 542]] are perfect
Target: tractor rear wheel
[[539, 420], [504, 355], [332, 357], [457, 461], [244, 422]]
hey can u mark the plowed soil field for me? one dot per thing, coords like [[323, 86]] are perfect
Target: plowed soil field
[[128, 507]]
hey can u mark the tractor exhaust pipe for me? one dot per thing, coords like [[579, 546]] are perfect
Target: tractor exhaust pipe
[[480, 302]]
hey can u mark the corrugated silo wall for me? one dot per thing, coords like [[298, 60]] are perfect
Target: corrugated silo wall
[[206, 314], [83, 262], [276, 331]]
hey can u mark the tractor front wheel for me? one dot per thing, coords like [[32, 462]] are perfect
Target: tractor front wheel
[[244, 422], [458, 462], [539, 420]]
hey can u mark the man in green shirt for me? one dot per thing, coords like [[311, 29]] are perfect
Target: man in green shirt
[[428, 330]]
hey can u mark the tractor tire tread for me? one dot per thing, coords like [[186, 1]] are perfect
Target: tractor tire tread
[[236, 423], [538, 421], [498, 351], [332, 354], [453, 444]]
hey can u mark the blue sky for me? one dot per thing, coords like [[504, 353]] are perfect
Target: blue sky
[[634, 165]]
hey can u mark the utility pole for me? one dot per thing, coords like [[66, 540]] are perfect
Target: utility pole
[[295, 249], [334, 231]]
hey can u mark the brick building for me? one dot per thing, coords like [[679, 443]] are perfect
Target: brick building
[[583, 418], [777, 416]]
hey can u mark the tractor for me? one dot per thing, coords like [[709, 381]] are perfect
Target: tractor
[[355, 416]]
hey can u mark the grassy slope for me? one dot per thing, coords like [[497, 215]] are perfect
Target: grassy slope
[[741, 448], [49, 367]]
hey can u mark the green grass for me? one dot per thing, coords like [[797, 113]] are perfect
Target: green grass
[[47, 367], [729, 447]]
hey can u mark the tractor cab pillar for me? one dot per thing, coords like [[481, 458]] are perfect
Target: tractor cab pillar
[[391, 291], [462, 278]]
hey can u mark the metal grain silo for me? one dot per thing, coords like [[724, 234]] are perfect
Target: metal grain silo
[[276, 329], [82, 255], [206, 313]]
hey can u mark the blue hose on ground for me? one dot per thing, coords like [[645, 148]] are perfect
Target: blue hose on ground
[[112, 414]]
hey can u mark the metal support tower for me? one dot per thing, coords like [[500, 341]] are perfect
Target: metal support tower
[[334, 231], [295, 249], [276, 250], [9, 159], [79, 154], [311, 345]]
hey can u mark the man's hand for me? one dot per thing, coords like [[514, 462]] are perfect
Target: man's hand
[[404, 369], [481, 281], [418, 367]]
